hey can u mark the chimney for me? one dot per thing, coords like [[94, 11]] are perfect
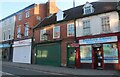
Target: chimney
[[51, 7]]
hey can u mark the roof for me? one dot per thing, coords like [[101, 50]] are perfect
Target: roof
[[77, 12]]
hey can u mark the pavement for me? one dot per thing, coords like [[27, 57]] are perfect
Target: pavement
[[62, 70]]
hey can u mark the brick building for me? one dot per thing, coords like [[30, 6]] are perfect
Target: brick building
[[26, 19]]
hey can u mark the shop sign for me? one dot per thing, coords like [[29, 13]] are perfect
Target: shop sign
[[4, 45], [98, 40], [22, 42]]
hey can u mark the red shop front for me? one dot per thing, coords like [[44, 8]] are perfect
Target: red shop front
[[99, 52]]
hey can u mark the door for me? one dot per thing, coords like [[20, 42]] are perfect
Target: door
[[98, 57], [71, 57]]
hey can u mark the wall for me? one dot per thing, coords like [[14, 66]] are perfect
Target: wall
[[0, 31], [8, 24], [95, 23]]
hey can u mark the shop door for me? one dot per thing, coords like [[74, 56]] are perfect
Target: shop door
[[98, 57], [71, 57]]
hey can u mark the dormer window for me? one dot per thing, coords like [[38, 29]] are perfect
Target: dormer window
[[60, 15], [88, 8]]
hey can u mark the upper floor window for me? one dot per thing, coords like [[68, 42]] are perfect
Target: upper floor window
[[26, 29], [86, 27], [70, 29], [88, 9], [20, 17], [27, 14], [9, 34], [3, 35], [105, 24], [19, 32], [42, 36], [56, 32]]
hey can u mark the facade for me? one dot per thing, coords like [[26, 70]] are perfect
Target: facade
[[98, 36], [26, 19], [7, 34], [52, 41]]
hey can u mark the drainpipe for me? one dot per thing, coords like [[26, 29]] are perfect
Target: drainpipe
[[77, 57]]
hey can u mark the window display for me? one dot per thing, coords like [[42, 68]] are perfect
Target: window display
[[86, 54], [110, 53]]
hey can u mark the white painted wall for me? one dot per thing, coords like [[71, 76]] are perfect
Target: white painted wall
[[95, 23], [8, 24], [0, 31]]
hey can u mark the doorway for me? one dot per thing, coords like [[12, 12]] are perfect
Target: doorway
[[98, 57]]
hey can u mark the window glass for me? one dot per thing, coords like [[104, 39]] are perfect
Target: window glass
[[70, 30], [56, 32], [86, 27], [26, 29], [86, 54], [19, 32], [110, 53], [42, 36], [27, 14]]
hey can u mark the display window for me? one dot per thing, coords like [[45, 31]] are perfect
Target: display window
[[110, 53], [86, 54]]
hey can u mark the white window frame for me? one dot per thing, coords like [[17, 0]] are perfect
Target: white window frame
[[19, 32], [105, 23], [70, 30], [26, 33], [87, 7], [27, 14], [86, 26], [54, 37], [42, 32], [20, 16]]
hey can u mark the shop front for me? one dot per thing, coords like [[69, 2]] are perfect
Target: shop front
[[48, 54], [22, 51], [99, 52], [6, 51]]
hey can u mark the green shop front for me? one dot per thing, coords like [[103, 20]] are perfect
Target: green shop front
[[48, 53]]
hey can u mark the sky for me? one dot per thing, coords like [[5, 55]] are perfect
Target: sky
[[8, 7]]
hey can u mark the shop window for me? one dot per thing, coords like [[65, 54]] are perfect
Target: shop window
[[27, 14], [86, 27], [56, 32], [105, 24], [70, 29], [110, 53], [19, 32], [86, 54], [42, 36], [26, 29], [88, 9]]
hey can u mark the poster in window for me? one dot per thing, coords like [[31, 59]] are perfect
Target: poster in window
[[86, 54], [110, 53]]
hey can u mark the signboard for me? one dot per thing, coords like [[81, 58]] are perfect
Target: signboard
[[4, 45], [98, 40], [74, 45], [22, 42]]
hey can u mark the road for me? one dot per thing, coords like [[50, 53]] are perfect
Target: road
[[19, 72]]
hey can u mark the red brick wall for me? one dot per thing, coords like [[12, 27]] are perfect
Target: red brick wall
[[63, 36]]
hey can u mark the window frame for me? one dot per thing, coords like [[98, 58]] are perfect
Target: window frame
[[42, 37], [19, 31], [54, 37], [70, 26], [105, 23], [20, 16], [86, 28], [27, 14], [26, 32]]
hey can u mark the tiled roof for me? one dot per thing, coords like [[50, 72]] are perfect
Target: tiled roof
[[77, 12]]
